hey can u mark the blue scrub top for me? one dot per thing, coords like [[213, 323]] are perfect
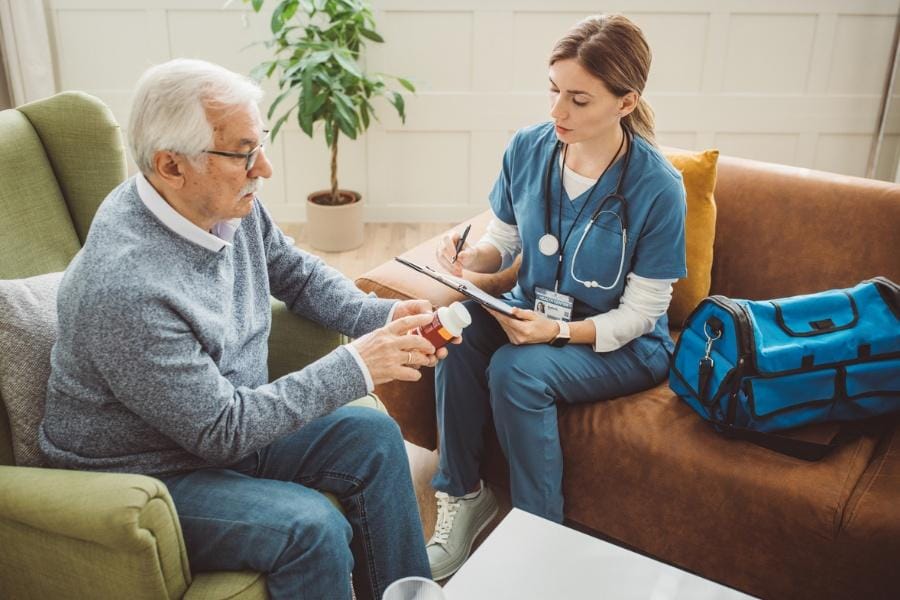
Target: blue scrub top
[[656, 211]]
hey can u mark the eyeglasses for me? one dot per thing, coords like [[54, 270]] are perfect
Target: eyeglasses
[[250, 157]]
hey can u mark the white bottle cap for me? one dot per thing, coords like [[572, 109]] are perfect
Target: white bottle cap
[[454, 318]]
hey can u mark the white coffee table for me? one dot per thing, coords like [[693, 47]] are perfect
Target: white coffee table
[[527, 557]]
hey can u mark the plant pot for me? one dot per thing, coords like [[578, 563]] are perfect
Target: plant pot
[[334, 228]]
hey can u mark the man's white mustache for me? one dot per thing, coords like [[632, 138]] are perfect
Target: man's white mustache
[[253, 186]]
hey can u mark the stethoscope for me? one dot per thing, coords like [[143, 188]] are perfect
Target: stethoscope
[[549, 243]]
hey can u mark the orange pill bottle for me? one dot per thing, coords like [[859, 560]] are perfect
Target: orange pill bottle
[[448, 323]]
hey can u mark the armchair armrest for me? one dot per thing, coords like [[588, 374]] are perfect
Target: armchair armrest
[[86, 534], [294, 342]]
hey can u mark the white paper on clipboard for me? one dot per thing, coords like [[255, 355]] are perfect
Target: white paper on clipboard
[[464, 286]]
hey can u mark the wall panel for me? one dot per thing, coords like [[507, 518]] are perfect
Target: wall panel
[[790, 81]]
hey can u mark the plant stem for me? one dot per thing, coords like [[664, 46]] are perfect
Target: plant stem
[[335, 197]]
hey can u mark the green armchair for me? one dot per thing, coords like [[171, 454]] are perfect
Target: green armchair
[[80, 534]]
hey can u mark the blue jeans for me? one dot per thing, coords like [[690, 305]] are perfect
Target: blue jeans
[[264, 513], [486, 377]]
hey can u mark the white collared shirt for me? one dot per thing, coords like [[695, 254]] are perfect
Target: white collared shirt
[[222, 233]]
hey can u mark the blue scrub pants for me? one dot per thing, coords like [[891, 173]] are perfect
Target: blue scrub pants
[[519, 386], [264, 513]]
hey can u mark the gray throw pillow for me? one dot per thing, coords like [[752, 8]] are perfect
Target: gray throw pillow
[[27, 333]]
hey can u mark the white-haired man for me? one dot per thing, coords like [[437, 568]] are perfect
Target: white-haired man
[[160, 365]]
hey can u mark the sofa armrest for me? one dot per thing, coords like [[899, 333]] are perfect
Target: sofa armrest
[[294, 342], [86, 534]]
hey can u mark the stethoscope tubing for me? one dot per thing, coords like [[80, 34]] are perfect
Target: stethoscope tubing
[[616, 195]]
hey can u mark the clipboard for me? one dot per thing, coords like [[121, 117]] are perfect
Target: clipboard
[[464, 287]]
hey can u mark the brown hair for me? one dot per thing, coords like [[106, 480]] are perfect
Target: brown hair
[[614, 50]]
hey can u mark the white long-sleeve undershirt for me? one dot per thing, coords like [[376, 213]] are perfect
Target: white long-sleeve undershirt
[[643, 300]]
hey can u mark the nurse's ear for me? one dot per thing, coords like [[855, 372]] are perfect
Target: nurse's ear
[[628, 103]]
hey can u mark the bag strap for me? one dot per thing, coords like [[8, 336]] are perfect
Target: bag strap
[[802, 449]]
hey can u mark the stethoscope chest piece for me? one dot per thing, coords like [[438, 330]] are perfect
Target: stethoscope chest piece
[[548, 244]]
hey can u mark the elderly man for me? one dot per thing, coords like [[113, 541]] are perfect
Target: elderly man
[[160, 365]]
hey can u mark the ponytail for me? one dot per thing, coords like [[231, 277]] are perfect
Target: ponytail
[[641, 121]]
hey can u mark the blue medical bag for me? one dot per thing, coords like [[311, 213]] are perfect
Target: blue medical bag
[[756, 367]]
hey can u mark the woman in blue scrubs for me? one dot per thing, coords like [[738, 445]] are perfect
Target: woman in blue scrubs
[[597, 214]]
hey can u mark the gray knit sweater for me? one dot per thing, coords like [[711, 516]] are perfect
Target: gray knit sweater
[[160, 365]]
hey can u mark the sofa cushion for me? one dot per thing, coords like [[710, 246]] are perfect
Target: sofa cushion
[[27, 333], [699, 173], [648, 459]]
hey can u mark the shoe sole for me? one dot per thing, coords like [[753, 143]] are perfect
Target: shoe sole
[[456, 567]]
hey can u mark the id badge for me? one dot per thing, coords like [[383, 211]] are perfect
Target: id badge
[[553, 305]]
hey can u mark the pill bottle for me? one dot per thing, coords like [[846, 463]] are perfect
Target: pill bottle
[[448, 323]]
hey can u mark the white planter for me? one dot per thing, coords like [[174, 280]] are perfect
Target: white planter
[[334, 228]]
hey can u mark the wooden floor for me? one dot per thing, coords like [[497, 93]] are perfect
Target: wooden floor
[[383, 241]]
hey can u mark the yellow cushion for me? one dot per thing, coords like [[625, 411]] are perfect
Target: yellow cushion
[[699, 172]]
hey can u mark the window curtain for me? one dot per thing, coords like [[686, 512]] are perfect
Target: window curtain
[[25, 49]]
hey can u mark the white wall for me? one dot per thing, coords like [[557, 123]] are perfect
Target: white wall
[[790, 81]]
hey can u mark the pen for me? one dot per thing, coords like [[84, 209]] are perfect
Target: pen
[[461, 241]]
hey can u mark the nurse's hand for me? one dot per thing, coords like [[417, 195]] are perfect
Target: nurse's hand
[[446, 251], [529, 328]]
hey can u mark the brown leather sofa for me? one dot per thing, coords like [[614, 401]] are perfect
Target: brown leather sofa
[[645, 471]]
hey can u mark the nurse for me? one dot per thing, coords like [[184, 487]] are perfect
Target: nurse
[[597, 214]]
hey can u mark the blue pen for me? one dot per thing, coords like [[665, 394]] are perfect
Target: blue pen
[[461, 242]]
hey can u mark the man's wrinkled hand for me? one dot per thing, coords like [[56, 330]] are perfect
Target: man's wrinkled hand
[[390, 352], [406, 308]]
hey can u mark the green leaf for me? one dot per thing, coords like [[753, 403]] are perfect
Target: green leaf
[[347, 63], [346, 114], [371, 109], [277, 23], [318, 101], [290, 11], [407, 84], [257, 5], [316, 58], [305, 120], [277, 101], [364, 114], [399, 104], [281, 121], [368, 33], [261, 70], [346, 126]]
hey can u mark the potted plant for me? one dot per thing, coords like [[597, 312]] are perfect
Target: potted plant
[[317, 45]]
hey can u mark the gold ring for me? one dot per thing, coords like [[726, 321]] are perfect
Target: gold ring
[[409, 358]]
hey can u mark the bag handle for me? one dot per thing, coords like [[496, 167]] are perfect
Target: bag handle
[[818, 327]]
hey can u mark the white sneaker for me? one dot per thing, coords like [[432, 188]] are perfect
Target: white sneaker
[[459, 521]]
